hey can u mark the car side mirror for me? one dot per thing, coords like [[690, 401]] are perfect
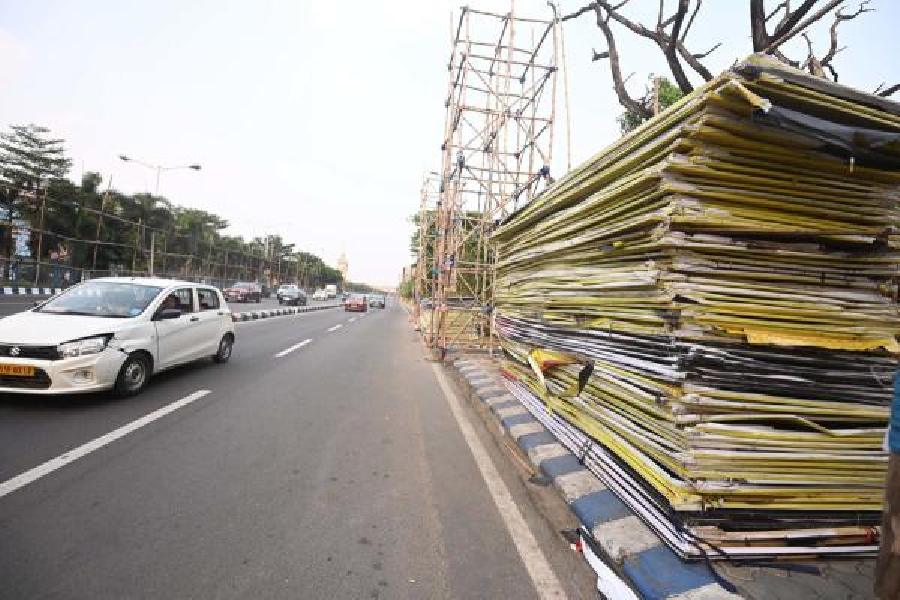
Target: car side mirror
[[167, 313]]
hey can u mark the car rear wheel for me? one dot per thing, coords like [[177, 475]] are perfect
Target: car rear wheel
[[133, 376], [226, 345]]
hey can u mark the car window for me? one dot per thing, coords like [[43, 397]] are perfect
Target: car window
[[209, 299], [182, 299], [102, 299]]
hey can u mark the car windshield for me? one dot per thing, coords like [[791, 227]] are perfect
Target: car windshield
[[243, 286], [102, 299]]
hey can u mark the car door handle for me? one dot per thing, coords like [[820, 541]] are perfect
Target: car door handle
[[194, 319]]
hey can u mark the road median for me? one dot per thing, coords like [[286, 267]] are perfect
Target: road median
[[255, 315]]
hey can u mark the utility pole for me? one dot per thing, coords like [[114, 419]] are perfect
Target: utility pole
[[655, 95], [152, 249], [99, 225], [40, 244]]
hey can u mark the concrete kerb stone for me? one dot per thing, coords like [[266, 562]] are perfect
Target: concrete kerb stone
[[638, 556], [510, 411], [278, 312], [29, 291]]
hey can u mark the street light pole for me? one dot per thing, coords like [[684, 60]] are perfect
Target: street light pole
[[158, 168]]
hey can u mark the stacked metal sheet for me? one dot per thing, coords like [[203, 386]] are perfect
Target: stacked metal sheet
[[714, 300]]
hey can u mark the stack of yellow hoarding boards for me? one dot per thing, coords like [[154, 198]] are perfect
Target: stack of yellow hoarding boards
[[713, 300]]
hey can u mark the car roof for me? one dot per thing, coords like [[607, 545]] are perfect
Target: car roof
[[148, 281]]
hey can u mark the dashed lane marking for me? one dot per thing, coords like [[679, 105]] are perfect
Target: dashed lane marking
[[287, 351], [335, 328]]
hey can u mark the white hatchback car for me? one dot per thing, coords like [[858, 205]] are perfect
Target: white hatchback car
[[112, 333]]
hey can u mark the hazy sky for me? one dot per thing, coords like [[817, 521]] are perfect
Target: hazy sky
[[314, 119]]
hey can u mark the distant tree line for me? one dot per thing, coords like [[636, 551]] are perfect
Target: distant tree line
[[54, 232]]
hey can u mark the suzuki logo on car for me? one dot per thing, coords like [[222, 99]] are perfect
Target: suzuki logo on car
[[14, 351]]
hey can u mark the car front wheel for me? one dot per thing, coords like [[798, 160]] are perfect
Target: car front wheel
[[133, 376]]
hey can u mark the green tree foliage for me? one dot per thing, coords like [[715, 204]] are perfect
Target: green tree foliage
[[29, 157], [92, 230], [406, 289], [669, 94], [30, 160]]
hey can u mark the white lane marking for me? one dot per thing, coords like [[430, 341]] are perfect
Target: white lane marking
[[11, 485], [351, 319], [335, 328], [292, 348], [545, 582]]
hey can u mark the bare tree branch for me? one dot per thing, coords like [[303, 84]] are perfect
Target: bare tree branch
[[670, 33], [671, 48], [812, 64], [778, 40], [787, 12], [785, 59], [840, 17], [690, 22], [694, 62], [708, 52], [791, 18], [614, 66], [785, 5], [884, 93], [579, 12]]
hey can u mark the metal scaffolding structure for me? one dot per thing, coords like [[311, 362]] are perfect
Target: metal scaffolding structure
[[497, 152]]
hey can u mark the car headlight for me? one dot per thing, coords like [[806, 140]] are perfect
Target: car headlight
[[89, 345]]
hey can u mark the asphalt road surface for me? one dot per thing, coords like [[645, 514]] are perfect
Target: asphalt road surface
[[338, 468]]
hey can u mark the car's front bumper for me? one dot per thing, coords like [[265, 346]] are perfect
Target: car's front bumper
[[81, 374]]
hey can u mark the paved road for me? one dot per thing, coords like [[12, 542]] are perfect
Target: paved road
[[337, 470]]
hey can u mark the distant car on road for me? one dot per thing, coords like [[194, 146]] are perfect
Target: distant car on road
[[283, 288], [320, 294], [376, 300], [244, 291], [112, 333], [356, 303], [293, 297]]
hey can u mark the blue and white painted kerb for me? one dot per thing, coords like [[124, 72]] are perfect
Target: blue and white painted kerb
[[29, 291], [642, 566], [254, 315]]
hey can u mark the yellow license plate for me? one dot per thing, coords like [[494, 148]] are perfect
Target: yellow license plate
[[17, 370]]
